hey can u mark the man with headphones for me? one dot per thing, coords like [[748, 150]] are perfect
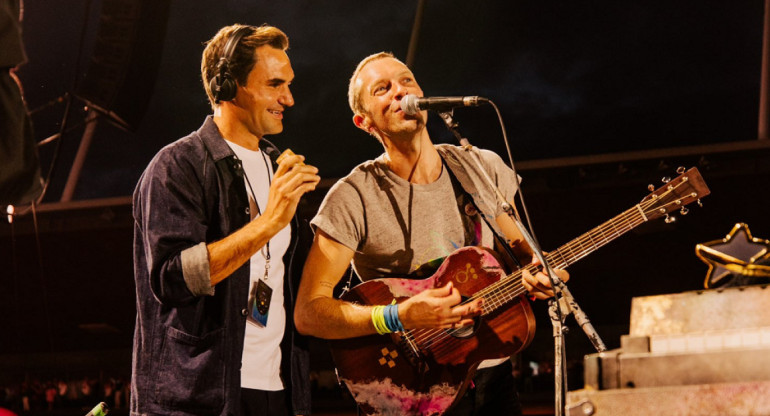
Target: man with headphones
[[213, 243]]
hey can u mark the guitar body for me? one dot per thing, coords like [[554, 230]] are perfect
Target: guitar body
[[423, 372]]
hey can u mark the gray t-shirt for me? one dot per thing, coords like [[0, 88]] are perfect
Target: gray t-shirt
[[400, 229]]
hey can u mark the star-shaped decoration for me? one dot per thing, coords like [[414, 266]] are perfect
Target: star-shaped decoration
[[737, 253]]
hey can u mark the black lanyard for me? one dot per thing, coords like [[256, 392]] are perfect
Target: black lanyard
[[266, 249]]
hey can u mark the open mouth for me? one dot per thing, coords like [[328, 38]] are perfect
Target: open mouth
[[276, 113]]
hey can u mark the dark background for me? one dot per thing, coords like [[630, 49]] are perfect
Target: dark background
[[570, 78], [600, 98]]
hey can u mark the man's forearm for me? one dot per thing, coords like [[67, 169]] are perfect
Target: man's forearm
[[330, 318], [231, 252]]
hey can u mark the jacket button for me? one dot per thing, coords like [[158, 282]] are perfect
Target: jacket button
[[244, 312], [248, 211]]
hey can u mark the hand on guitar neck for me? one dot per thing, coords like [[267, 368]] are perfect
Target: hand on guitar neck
[[539, 285]]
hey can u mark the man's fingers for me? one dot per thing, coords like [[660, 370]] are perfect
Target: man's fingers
[[537, 290], [563, 274], [461, 323], [303, 182], [443, 291], [543, 280], [474, 308], [298, 177], [286, 153], [468, 310], [289, 162], [298, 172], [538, 285]]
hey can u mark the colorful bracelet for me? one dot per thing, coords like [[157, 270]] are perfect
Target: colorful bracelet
[[385, 319], [387, 312], [378, 319], [391, 318]]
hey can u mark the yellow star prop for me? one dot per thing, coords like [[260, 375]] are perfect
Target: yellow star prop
[[738, 252]]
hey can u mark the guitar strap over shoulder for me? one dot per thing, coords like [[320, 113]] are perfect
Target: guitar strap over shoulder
[[458, 184]]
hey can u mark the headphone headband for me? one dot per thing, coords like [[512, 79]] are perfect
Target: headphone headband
[[232, 43], [223, 86]]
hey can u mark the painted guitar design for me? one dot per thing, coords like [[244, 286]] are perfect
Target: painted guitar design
[[423, 371]]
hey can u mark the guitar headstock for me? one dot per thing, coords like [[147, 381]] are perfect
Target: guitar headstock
[[688, 187]]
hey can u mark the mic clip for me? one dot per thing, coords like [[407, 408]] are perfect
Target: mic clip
[[453, 126]]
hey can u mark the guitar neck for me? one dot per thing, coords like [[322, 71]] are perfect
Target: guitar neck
[[677, 193], [597, 237]]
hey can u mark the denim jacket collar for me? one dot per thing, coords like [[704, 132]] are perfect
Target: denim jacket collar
[[217, 146]]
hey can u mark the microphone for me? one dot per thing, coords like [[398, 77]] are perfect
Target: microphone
[[412, 104], [100, 409]]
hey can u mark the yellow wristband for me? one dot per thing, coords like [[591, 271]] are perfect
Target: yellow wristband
[[378, 319]]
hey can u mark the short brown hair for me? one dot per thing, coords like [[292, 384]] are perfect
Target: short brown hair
[[243, 57], [354, 93]]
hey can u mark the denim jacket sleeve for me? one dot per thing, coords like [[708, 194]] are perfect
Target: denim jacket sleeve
[[173, 219]]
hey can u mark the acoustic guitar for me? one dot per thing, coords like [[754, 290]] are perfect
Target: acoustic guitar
[[424, 371]]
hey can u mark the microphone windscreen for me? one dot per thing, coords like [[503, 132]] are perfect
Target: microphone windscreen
[[409, 104]]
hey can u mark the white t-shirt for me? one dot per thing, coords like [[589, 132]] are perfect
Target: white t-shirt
[[261, 361]]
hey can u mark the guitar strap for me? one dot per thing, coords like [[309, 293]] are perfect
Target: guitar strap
[[453, 169]]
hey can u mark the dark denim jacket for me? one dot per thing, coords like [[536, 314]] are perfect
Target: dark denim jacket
[[188, 339]]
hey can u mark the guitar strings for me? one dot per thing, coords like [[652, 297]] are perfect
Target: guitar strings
[[511, 286]]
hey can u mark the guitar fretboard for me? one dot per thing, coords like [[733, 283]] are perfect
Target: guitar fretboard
[[597, 237], [507, 289]]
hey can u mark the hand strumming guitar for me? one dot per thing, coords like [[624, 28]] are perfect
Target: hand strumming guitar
[[438, 308]]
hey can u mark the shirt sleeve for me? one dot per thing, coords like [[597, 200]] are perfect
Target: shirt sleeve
[[503, 177], [341, 215], [173, 225]]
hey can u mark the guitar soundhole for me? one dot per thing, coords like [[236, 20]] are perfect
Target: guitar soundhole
[[466, 331]]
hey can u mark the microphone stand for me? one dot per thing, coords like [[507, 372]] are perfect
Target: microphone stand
[[563, 303]]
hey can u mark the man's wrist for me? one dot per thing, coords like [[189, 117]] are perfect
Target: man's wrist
[[267, 225]]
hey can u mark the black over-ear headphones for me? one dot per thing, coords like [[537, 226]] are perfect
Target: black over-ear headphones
[[223, 86]]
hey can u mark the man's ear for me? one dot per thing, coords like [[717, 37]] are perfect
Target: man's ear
[[362, 122]]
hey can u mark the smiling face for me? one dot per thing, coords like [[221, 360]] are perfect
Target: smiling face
[[266, 93], [381, 84]]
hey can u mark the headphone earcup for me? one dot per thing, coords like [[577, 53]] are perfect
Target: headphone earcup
[[214, 87], [223, 87], [227, 88]]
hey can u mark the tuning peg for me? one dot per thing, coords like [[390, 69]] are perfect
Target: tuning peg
[[684, 211], [700, 204], [669, 220], [680, 170], [666, 179], [650, 187]]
